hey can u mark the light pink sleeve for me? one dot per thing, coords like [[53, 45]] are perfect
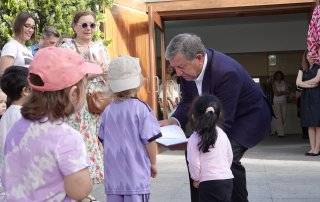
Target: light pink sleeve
[[226, 145], [313, 43], [193, 157], [230, 153]]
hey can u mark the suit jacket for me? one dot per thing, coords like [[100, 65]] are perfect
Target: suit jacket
[[246, 111]]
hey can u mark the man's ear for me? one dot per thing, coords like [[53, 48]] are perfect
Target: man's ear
[[73, 95], [200, 56]]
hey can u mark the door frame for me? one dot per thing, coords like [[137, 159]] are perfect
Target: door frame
[[155, 21], [171, 10], [205, 9]]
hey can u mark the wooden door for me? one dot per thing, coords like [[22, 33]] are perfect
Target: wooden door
[[126, 25]]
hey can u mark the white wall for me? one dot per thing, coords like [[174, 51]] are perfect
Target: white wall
[[247, 34]]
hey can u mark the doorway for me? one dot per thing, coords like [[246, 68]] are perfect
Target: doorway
[[251, 40]]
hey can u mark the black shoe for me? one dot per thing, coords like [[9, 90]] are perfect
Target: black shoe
[[312, 154]]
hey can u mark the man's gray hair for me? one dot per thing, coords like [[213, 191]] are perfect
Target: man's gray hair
[[189, 45]]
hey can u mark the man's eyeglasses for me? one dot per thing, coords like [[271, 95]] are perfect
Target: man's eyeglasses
[[29, 26], [86, 25]]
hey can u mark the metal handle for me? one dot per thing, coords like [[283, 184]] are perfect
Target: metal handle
[[157, 84]]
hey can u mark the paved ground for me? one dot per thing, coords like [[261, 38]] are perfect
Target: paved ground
[[277, 171]]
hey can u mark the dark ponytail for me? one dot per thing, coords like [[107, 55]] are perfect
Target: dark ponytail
[[204, 118]]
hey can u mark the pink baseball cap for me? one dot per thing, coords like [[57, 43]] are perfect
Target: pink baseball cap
[[60, 68]]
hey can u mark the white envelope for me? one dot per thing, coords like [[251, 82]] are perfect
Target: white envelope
[[172, 135]]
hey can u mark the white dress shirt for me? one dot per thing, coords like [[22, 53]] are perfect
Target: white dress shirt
[[199, 79]]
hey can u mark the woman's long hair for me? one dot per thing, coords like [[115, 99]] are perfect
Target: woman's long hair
[[205, 115], [304, 62]]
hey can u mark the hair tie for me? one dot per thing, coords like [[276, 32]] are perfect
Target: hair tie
[[210, 109]]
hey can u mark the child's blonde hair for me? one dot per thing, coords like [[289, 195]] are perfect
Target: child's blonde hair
[[125, 94]]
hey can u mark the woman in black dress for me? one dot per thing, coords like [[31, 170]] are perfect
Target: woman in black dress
[[308, 79]]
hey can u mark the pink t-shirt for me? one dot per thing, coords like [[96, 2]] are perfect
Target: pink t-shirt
[[212, 165], [37, 157]]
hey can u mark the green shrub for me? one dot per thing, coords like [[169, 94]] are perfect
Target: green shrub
[[56, 13]]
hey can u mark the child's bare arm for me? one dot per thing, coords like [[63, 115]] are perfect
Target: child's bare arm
[[78, 185], [152, 152]]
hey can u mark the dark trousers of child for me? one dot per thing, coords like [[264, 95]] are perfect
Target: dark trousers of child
[[215, 191], [195, 192]]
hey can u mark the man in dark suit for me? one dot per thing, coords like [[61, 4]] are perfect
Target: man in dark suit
[[247, 114]]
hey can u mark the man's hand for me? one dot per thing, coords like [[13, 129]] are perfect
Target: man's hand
[[169, 121]]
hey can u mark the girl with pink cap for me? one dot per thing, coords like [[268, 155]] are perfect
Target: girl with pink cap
[[46, 159]]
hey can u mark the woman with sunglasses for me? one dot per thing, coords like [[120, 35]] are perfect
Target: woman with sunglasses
[[15, 52], [84, 24]]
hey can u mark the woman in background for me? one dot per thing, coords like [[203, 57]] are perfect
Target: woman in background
[[84, 25], [15, 52], [173, 92], [308, 79], [280, 91]]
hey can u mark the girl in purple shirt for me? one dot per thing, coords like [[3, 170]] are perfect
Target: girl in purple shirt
[[128, 131], [209, 152], [44, 158]]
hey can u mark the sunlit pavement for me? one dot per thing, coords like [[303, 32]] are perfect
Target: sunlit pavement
[[277, 171]]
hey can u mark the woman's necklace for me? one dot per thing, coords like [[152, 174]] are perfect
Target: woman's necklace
[[84, 50]]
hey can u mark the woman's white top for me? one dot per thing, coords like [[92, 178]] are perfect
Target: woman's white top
[[19, 52], [280, 86]]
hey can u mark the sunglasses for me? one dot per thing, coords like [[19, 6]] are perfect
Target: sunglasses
[[86, 25]]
